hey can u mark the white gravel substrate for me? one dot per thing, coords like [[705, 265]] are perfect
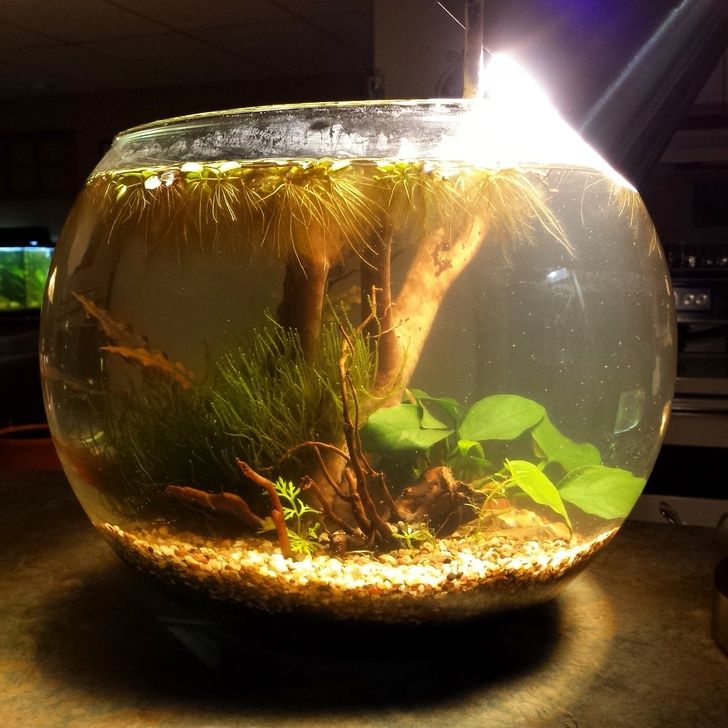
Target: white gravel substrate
[[453, 578]]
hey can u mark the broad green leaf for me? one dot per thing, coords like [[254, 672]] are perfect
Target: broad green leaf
[[398, 428], [500, 417], [560, 449], [429, 421], [450, 406], [602, 491], [468, 460], [418, 393], [537, 486], [469, 467], [466, 447]]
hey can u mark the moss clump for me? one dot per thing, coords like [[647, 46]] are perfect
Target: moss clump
[[262, 399], [269, 399]]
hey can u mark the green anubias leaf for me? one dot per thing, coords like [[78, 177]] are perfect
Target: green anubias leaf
[[448, 405], [400, 428], [560, 449], [500, 417], [468, 467], [468, 460], [602, 491], [468, 447], [429, 421], [537, 486]]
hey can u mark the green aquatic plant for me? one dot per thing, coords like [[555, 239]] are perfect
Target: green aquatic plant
[[167, 433], [306, 396], [315, 213], [159, 434], [412, 536], [306, 543], [271, 400], [517, 204], [23, 273], [303, 535], [259, 402], [428, 429], [12, 282]]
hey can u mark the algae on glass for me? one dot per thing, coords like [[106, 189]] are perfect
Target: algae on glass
[[348, 385]]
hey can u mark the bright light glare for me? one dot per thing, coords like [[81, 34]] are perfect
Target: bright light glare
[[407, 149], [519, 126], [502, 79]]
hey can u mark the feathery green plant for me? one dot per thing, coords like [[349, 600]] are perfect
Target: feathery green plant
[[269, 399], [302, 534], [261, 400]]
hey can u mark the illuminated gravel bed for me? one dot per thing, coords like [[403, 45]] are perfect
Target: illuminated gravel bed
[[453, 578]]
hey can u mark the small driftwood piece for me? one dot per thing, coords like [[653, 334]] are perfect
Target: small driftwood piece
[[438, 500], [276, 511], [155, 360], [228, 503]]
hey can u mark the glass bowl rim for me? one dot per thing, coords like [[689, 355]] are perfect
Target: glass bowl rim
[[209, 117]]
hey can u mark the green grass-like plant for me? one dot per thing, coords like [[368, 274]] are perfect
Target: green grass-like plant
[[261, 400], [269, 399]]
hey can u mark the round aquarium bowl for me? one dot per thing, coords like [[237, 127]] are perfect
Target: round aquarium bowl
[[392, 361]]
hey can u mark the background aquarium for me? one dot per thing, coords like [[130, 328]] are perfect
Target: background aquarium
[[23, 273], [353, 360]]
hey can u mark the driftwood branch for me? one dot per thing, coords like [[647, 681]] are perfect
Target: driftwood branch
[[324, 469], [310, 483], [378, 277], [379, 525], [228, 503], [357, 507], [276, 512], [437, 264], [330, 479], [316, 444], [394, 509], [304, 291]]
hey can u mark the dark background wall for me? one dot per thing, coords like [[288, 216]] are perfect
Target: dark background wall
[[72, 75]]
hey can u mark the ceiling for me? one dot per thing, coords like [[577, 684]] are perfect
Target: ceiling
[[52, 47], [68, 46]]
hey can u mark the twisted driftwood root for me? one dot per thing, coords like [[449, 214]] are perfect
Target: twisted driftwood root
[[438, 500], [229, 503], [276, 511]]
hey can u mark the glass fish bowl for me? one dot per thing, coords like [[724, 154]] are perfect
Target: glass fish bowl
[[382, 361]]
